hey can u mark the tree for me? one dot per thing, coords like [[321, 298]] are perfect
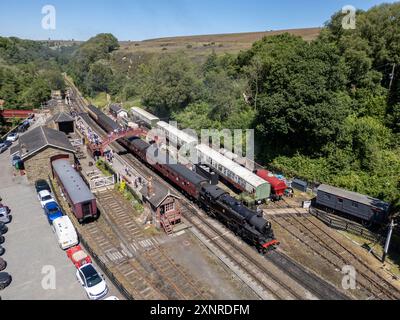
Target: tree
[[169, 84], [99, 78]]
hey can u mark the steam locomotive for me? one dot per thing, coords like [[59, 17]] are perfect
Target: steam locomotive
[[251, 226]]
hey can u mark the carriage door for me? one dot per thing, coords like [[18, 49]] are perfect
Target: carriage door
[[86, 209], [339, 204]]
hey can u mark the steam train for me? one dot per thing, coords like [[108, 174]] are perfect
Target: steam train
[[251, 226]]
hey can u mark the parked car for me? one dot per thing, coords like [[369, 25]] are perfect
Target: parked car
[[12, 137], [45, 197], [24, 126], [41, 185], [93, 283], [3, 228], [3, 264], [65, 232], [3, 147], [15, 159], [111, 298], [78, 256], [2, 250], [2, 239], [5, 214], [52, 211], [5, 280]]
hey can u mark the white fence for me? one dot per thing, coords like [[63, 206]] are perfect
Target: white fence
[[101, 182]]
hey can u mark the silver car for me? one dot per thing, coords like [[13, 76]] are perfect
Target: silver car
[[5, 216]]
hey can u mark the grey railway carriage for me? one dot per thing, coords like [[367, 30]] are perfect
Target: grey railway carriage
[[368, 209]]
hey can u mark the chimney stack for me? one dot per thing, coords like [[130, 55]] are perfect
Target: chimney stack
[[23, 148], [150, 190]]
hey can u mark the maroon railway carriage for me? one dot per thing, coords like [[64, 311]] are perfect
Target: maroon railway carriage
[[186, 180], [80, 198]]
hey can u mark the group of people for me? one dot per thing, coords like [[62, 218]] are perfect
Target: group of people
[[109, 155], [117, 132], [93, 137]]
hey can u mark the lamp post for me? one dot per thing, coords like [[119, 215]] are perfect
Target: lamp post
[[388, 239]]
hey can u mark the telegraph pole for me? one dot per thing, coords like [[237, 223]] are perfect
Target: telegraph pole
[[389, 237], [392, 76]]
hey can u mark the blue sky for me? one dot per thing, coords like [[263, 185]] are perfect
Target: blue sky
[[145, 19]]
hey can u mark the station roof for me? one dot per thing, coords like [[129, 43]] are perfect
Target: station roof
[[231, 166], [354, 196], [39, 138], [73, 183]]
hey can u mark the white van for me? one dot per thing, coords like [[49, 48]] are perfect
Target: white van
[[65, 232]]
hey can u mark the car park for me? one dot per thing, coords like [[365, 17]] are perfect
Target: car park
[[93, 283], [5, 216], [65, 232], [3, 264], [3, 228], [52, 211], [12, 137], [45, 197], [41, 185], [5, 280]]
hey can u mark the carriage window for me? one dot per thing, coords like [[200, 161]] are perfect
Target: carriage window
[[327, 196], [354, 204], [340, 200]]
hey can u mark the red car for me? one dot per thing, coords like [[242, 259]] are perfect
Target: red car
[[78, 256]]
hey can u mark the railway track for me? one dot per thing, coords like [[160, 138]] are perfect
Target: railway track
[[271, 285], [335, 253], [172, 279], [107, 246]]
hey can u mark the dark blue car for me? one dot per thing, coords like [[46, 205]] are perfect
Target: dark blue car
[[52, 211]]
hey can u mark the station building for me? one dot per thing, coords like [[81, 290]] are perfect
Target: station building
[[62, 121], [39, 147], [164, 205]]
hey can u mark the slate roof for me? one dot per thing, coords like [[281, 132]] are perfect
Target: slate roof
[[115, 108], [61, 117], [40, 138], [159, 194]]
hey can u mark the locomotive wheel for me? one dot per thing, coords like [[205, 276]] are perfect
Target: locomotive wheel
[[367, 224]]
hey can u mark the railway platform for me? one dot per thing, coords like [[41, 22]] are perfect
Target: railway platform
[[281, 211]]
